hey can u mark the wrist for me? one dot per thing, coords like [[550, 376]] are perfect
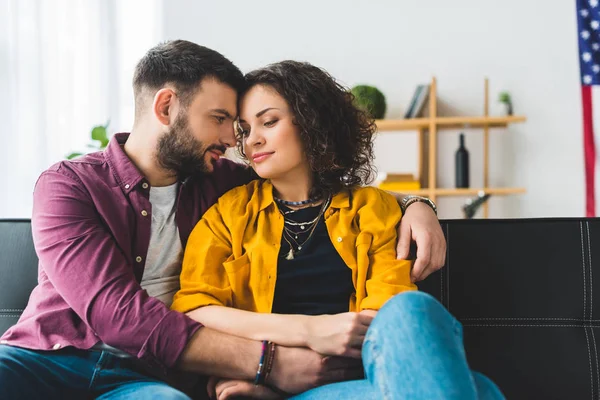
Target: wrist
[[407, 201], [306, 329]]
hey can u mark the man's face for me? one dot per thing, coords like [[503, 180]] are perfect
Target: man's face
[[201, 132]]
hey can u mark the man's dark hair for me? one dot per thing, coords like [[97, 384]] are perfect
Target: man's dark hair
[[184, 65], [337, 136]]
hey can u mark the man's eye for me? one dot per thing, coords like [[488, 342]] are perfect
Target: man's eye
[[220, 119]]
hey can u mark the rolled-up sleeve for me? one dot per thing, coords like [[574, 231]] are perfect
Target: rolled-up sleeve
[[386, 275], [88, 269]]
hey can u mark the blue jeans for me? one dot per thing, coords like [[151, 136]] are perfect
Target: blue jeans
[[75, 374], [412, 350]]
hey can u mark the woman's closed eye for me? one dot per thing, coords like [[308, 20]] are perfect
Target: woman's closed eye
[[271, 123]]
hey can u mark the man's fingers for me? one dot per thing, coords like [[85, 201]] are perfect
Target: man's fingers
[[222, 386], [211, 385], [423, 258], [355, 353], [335, 363], [345, 374], [404, 238]]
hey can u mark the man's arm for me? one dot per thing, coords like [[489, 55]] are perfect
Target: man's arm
[[90, 272], [420, 223], [295, 369]]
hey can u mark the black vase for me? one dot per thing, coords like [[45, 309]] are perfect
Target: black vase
[[462, 164]]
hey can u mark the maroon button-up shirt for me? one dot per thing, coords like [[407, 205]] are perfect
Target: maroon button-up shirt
[[91, 229]]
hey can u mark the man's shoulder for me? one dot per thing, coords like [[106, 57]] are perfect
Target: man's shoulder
[[91, 165]]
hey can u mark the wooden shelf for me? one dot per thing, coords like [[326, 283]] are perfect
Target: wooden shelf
[[412, 124], [428, 130], [465, 192]]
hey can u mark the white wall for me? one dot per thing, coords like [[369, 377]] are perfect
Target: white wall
[[396, 45]]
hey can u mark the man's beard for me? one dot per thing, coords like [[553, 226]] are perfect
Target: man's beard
[[180, 152]]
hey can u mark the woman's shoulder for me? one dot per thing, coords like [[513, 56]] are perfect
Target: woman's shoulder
[[372, 197], [241, 194]]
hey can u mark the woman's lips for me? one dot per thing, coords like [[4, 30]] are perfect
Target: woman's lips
[[258, 157]]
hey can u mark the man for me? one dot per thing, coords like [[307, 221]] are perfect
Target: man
[[109, 230]]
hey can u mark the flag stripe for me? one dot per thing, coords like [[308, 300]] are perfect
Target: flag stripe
[[589, 149]]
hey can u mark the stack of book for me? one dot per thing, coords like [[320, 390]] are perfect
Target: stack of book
[[400, 183], [418, 101]]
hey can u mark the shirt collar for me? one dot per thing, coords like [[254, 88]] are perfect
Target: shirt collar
[[340, 200], [124, 170]]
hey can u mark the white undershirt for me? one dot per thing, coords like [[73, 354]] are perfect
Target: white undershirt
[[165, 253]]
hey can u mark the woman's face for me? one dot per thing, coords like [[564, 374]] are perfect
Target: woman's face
[[271, 141]]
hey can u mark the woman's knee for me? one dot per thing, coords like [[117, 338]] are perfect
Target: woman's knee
[[410, 305], [410, 311]]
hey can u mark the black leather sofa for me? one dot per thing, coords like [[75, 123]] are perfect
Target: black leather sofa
[[523, 289]]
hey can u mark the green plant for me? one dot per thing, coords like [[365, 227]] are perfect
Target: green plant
[[504, 97], [370, 99], [99, 136]]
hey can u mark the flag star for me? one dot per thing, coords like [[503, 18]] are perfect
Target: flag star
[[584, 13], [587, 79], [596, 46], [596, 68], [587, 57], [593, 3], [595, 25], [585, 34]]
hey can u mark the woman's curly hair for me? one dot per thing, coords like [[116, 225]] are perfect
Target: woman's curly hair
[[337, 136]]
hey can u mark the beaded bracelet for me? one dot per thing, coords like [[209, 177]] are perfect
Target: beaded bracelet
[[261, 363], [270, 361]]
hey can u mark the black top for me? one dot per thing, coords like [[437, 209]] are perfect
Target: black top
[[316, 281]]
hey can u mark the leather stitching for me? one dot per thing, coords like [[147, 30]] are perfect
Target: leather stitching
[[590, 361]]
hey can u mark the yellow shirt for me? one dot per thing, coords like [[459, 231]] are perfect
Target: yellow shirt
[[231, 255]]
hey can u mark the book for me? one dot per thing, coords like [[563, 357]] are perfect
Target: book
[[413, 101], [420, 102]]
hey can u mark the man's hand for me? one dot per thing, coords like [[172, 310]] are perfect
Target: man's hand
[[296, 370], [225, 389], [420, 224]]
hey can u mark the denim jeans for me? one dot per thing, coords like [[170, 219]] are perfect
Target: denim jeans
[[412, 350], [75, 374]]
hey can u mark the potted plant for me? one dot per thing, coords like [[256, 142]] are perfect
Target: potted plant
[[505, 99], [370, 99], [99, 136]]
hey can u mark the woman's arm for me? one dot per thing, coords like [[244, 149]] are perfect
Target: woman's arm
[[285, 330], [339, 334]]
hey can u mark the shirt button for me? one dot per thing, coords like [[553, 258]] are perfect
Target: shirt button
[[144, 213], [138, 259], [339, 239], [145, 185], [127, 186], [56, 346]]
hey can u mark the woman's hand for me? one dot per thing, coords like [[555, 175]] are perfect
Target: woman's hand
[[224, 389], [339, 334]]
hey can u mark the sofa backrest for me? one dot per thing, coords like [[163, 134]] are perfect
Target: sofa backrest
[[18, 269], [523, 290]]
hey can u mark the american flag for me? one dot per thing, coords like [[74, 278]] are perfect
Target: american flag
[[588, 22]]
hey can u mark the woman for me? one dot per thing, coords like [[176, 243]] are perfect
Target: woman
[[307, 256]]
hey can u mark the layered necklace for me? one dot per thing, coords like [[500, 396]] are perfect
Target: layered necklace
[[297, 233]]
